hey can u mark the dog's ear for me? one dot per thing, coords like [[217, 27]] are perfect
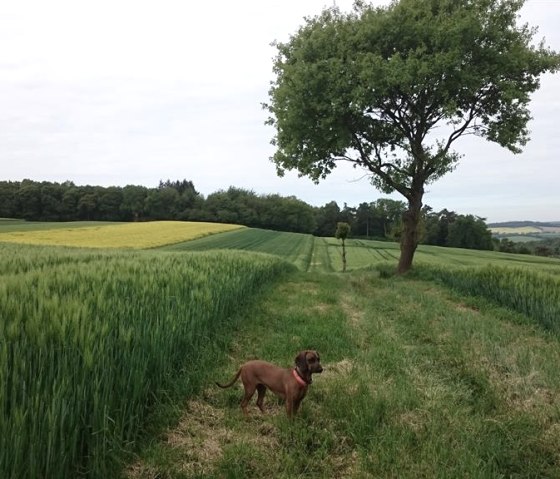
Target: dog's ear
[[301, 361]]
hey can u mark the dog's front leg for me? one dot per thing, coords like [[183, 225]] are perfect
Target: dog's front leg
[[290, 407], [295, 405]]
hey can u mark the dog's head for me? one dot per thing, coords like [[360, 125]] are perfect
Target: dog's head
[[309, 362]]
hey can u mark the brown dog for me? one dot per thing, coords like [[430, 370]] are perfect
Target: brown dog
[[290, 384]]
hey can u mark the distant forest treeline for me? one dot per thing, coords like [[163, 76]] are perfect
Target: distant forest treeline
[[179, 200]]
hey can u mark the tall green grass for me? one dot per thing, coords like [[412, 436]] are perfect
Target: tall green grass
[[530, 292], [89, 340]]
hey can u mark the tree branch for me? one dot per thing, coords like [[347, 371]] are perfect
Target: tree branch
[[376, 166]]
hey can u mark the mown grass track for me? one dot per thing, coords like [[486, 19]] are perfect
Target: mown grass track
[[418, 383]]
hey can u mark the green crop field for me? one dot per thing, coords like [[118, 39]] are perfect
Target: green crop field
[[294, 247], [88, 339], [108, 357], [325, 254]]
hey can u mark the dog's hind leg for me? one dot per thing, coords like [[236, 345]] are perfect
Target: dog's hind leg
[[249, 392]]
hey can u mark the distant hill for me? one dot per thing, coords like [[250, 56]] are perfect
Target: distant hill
[[525, 230], [523, 224]]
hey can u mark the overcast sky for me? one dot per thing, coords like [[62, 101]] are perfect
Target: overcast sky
[[117, 92]]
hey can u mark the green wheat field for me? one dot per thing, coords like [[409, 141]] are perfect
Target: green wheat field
[[108, 357]]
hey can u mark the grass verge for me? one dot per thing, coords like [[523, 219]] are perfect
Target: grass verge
[[529, 292]]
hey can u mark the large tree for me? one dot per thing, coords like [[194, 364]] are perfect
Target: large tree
[[391, 89]]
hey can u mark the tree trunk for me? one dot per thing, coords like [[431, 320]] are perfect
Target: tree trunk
[[410, 233], [343, 256]]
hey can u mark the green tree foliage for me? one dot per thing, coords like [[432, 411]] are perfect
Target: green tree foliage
[[542, 247], [28, 200], [378, 219], [134, 199], [327, 218], [234, 205], [51, 201], [87, 206], [110, 203], [161, 203], [391, 89], [8, 199], [436, 226], [171, 200], [187, 194], [470, 232], [447, 228], [296, 215], [69, 202], [237, 205]]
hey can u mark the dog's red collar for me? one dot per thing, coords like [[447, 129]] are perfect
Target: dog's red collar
[[299, 379]]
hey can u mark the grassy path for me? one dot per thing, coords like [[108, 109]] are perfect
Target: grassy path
[[418, 382]]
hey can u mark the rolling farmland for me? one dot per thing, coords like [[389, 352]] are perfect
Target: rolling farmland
[[529, 284], [89, 338], [532, 232], [315, 254], [308, 253]]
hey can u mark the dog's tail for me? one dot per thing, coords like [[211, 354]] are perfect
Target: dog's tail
[[224, 386]]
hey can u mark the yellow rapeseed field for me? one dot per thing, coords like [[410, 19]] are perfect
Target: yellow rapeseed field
[[128, 235]]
